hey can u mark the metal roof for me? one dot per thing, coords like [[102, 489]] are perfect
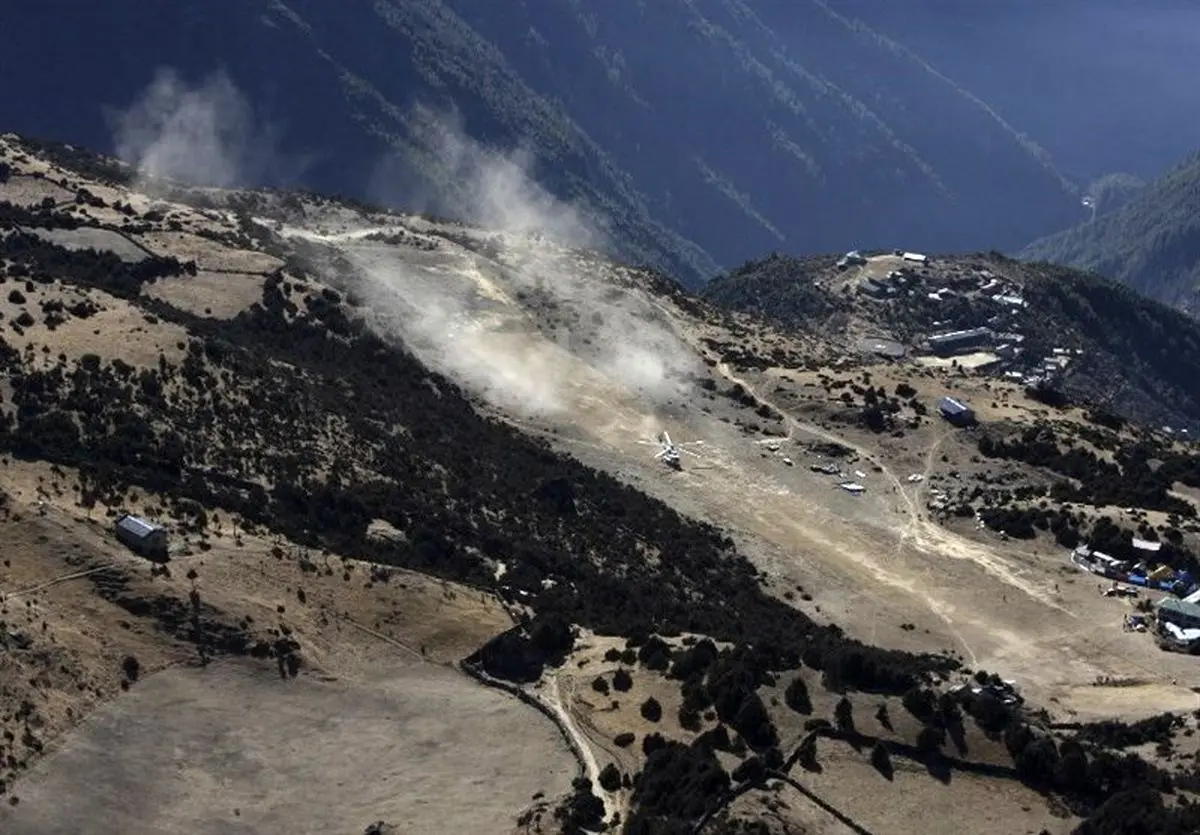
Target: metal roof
[[1180, 606], [954, 336], [949, 404], [137, 526]]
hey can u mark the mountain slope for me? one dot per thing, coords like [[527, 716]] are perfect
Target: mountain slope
[[1102, 104], [1136, 356], [1152, 243], [379, 439], [704, 132]]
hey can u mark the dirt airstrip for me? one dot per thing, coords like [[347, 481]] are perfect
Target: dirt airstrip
[[876, 561]]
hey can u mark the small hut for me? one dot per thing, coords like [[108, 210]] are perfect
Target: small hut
[[142, 537]]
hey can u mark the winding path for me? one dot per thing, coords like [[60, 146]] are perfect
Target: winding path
[[554, 700]]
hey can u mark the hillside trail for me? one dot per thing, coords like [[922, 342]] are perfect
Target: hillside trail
[[553, 697]]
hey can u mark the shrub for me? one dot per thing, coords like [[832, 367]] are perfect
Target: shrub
[[610, 778], [653, 742], [843, 714], [796, 696], [623, 739], [131, 667], [600, 685], [930, 739], [919, 702], [553, 635], [689, 719], [881, 760], [716, 738], [622, 680], [582, 810], [754, 723], [655, 654], [883, 717], [651, 710]]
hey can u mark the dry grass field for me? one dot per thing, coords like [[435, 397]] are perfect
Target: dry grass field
[[379, 723], [225, 748]]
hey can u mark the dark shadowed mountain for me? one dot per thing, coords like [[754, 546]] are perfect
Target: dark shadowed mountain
[[1104, 85], [1152, 243], [702, 131]]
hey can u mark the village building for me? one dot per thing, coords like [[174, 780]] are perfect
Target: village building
[[1179, 624], [852, 258], [954, 342], [956, 412], [142, 537], [878, 288]]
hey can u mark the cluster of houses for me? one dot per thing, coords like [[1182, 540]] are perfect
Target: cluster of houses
[[1177, 618], [994, 345], [1144, 572], [993, 350]]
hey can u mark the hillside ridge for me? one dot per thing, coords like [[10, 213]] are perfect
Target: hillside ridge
[[389, 447], [1151, 242], [793, 126]]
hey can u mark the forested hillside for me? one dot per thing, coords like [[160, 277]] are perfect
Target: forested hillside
[[701, 132], [1152, 243], [1098, 103]]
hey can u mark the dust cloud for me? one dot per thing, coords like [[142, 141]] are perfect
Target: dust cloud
[[490, 187], [465, 320], [204, 134], [465, 313]]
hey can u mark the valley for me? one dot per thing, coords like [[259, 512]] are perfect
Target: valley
[[398, 456]]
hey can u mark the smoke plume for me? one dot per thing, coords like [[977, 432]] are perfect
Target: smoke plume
[[464, 311], [205, 134], [615, 346], [469, 319], [491, 187]]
